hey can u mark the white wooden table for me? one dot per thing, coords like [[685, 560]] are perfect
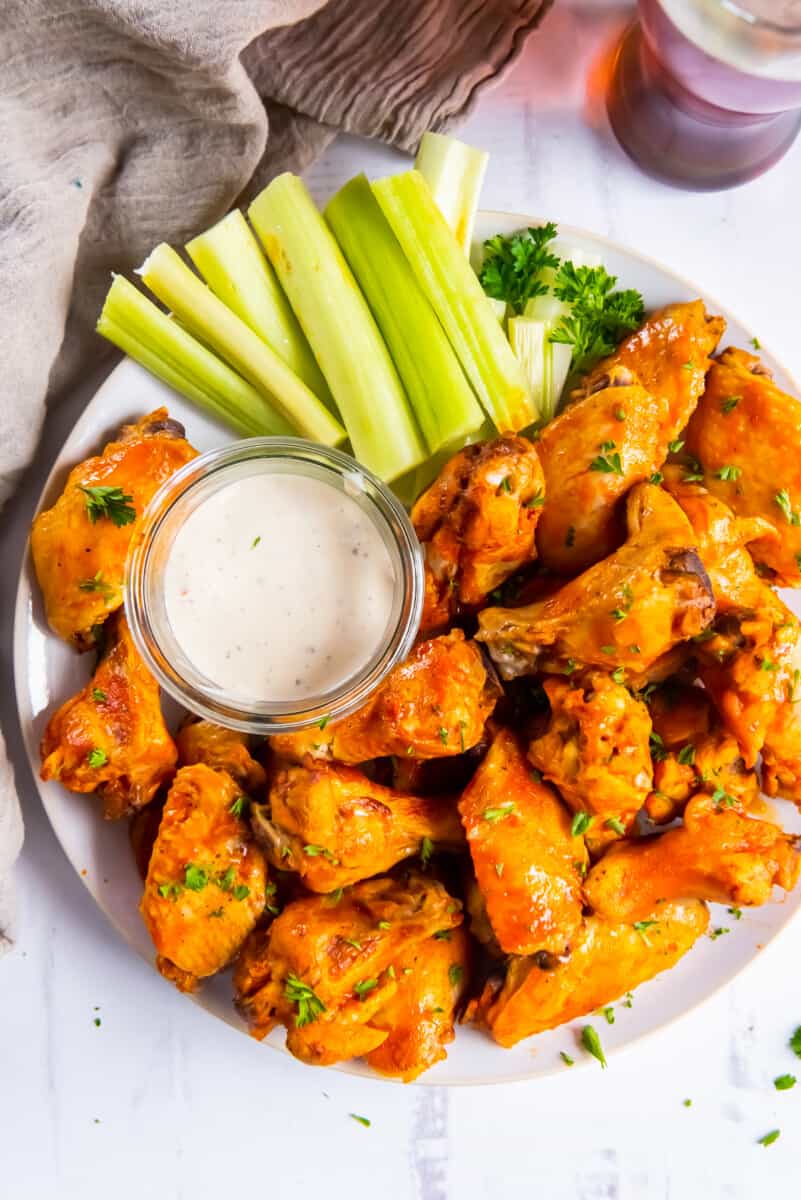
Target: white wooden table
[[160, 1100]]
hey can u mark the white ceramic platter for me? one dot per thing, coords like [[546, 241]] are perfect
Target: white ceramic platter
[[47, 671]]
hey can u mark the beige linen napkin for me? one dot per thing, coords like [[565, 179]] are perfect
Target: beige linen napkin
[[128, 122]]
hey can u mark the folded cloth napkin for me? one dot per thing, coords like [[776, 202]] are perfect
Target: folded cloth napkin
[[128, 122]]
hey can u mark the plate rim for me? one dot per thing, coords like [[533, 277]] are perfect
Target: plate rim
[[19, 667]]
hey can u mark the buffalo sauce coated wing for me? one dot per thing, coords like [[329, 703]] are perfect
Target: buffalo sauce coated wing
[[527, 864], [717, 854], [206, 882], [79, 546], [692, 752], [622, 614], [223, 750], [594, 451], [746, 435], [596, 750], [334, 826], [110, 738], [327, 966], [434, 704], [607, 960], [670, 356], [431, 978], [476, 523]]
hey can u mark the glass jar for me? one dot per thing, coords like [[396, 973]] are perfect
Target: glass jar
[[146, 601]]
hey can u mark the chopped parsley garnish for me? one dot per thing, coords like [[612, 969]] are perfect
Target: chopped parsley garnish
[[686, 755], [512, 266], [96, 584], [324, 722], [623, 611], [693, 472], [580, 824], [566, 1059], [782, 498], [722, 798], [110, 502], [618, 675], [99, 696], [608, 649], [241, 891], [426, 850], [493, 815], [767, 664], [442, 935], [362, 1120], [609, 1014], [97, 757], [615, 825], [656, 478], [98, 1022], [505, 484], [226, 881], [719, 932], [687, 1103], [688, 366], [783, 1083], [455, 974], [657, 747], [335, 896], [170, 891], [620, 414], [239, 805], [629, 1001], [195, 877], [499, 869], [309, 1005], [607, 464], [755, 342], [390, 971], [728, 473], [592, 1044], [255, 542], [642, 927], [675, 445], [218, 912], [384, 924], [352, 942], [795, 1042], [769, 1138], [735, 912], [535, 501], [730, 403], [443, 735], [363, 988]]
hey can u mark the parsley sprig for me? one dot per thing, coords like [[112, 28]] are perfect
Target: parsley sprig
[[110, 502], [513, 266], [309, 1004], [599, 316]]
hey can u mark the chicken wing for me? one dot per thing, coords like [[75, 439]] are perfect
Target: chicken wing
[[431, 978], [746, 434], [692, 752], [433, 705], [79, 546], [222, 750], [326, 967], [623, 613], [592, 454], [334, 826], [206, 882], [721, 538], [717, 854], [670, 354], [477, 523], [528, 866], [110, 738], [595, 750], [607, 960]]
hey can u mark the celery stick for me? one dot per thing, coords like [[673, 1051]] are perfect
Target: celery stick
[[499, 308], [341, 331], [458, 299], [149, 336], [528, 339], [197, 308], [561, 358], [454, 172], [440, 395], [233, 265]]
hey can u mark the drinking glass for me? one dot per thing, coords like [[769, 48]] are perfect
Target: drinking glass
[[706, 94]]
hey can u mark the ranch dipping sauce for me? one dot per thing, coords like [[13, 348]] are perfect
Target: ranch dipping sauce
[[279, 587]]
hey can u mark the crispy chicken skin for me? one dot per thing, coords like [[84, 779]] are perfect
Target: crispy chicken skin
[[110, 737], [80, 564], [333, 826], [625, 612], [223, 750], [526, 862], [670, 354], [692, 752], [419, 1018], [746, 422], [595, 749], [717, 854], [325, 968], [592, 454], [721, 537], [434, 704], [607, 960], [477, 523], [206, 882]]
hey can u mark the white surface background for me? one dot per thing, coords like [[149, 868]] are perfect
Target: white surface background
[[162, 1100]]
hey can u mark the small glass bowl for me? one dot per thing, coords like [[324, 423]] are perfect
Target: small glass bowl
[[180, 495]]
